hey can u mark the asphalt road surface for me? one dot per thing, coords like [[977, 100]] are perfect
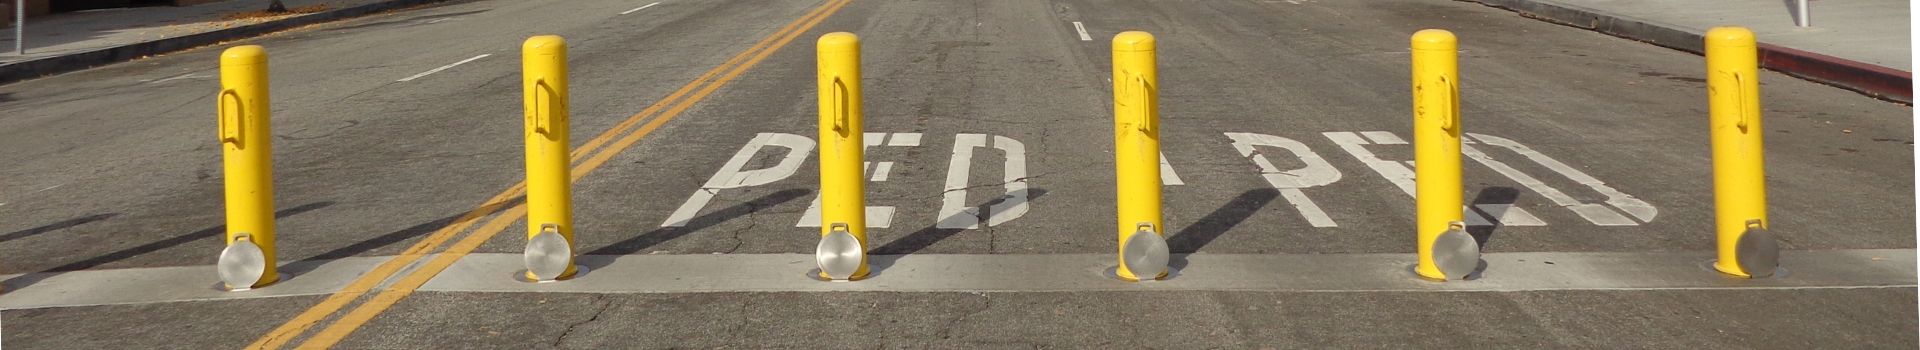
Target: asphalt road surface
[[990, 141]]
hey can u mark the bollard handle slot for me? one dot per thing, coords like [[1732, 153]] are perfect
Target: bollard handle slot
[[542, 116], [1456, 225], [1145, 98], [1451, 120], [1740, 98], [230, 130], [1145, 226], [841, 116], [1754, 224], [1137, 92]]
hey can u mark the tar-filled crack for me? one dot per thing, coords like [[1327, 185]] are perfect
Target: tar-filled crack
[[604, 306], [992, 237], [1020, 179], [752, 210]]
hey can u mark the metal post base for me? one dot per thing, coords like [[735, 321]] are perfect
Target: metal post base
[[1456, 253], [242, 264], [839, 254], [1145, 254], [548, 255]]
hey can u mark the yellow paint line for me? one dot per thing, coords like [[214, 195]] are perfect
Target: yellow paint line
[[359, 287], [300, 323], [622, 127], [365, 312]]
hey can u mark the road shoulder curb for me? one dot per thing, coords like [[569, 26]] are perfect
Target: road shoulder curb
[[1884, 83], [36, 68]]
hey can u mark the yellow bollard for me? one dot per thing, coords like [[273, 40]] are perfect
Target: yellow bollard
[[246, 144], [1136, 154], [549, 191], [842, 184], [1436, 142], [1739, 177]]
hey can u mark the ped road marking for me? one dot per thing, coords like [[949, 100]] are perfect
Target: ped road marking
[[637, 9], [360, 315], [286, 332], [1082, 28], [437, 70]]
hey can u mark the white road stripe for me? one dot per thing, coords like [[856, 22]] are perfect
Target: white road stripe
[[904, 139], [954, 212], [1082, 28], [1633, 206], [698, 273], [1505, 215], [1402, 176], [1383, 138], [1594, 213], [877, 216], [880, 171], [1506, 272], [437, 70], [1167, 176], [639, 8]]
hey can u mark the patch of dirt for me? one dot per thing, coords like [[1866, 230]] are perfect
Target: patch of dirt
[[266, 14]]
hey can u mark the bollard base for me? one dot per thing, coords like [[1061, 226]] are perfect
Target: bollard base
[[1144, 252], [548, 256], [840, 256], [1113, 272], [1456, 254], [243, 265], [527, 276]]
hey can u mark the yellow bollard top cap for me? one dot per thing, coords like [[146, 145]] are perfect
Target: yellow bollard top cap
[[544, 44], [1133, 41], [244, 54], [839, 42], [1729, 36], [1434, 39]]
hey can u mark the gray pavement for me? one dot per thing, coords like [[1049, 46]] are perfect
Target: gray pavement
[[108, 172]]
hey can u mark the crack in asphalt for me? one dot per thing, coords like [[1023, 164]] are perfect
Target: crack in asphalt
[[606, 305]]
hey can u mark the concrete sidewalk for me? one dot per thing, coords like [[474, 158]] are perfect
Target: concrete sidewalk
[[1861, 45], [72, 41]]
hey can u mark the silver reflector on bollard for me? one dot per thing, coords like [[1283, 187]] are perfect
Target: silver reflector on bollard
[[1146, 253], [1456, 253], [548, 255], [241, 264], [839, 253], [1757, 251]]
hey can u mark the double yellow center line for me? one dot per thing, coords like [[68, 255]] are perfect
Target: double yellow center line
[[588, 157]]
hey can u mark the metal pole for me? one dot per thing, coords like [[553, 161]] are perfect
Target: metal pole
[[1136, 152], [1739, 160], [1443, 254], [549, 190], [244, 118], [20, 27], [843, 214], [1802, 17]]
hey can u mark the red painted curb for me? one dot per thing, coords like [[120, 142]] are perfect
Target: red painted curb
[[1880, 82]]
